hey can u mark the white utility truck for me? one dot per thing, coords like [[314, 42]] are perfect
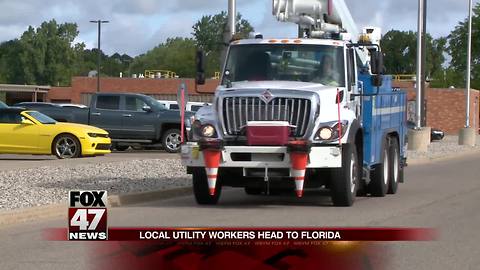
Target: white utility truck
[[312, 112]]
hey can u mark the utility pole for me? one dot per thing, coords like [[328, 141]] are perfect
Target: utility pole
[[468, 134], [423, 84], [469, 62], [99, 22], [419, 64]]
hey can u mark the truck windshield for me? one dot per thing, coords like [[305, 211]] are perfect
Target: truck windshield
[[287, 62], [42, 118]]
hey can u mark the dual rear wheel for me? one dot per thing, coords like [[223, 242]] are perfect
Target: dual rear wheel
[[386, 176]]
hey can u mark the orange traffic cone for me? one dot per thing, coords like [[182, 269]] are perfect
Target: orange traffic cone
[[212, 162], [299, 165], [299, 152], [212, 153]]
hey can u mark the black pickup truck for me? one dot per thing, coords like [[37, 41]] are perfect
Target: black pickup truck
[[131, 119]]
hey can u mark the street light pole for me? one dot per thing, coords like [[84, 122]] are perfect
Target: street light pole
[[99, 22], [469, 61]]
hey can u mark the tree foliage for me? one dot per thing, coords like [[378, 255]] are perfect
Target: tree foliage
[[209, 33], [400, 49], [457, 48], [176, 54]]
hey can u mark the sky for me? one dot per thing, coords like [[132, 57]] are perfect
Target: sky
[[137, 26]]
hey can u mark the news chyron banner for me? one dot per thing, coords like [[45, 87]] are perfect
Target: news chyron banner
[[224, 248]]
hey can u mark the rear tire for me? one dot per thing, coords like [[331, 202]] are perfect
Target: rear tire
[[121, 148], [379, 185], [201, 190], [395, 165], [345, 182], [171, 141]]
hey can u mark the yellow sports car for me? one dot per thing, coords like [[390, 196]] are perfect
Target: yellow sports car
[[30, 132]]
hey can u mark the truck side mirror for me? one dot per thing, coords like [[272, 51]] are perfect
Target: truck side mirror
[[377, 68], [200, 63], [376, 63]]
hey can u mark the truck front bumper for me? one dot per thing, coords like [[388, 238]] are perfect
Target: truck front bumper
[[262, 157]]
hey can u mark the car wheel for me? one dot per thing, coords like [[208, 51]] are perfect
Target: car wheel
[[66, 146], [345, 182], [394, 167], [171, 141], [121, 148], [200, 188], [378, 187]]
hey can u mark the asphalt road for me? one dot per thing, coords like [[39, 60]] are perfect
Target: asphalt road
[[9, 162], [443, 195]]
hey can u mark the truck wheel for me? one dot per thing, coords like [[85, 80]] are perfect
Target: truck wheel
[[200, 188], [66, 146], [171, 141], [394, 167], [379, 185], [345, 182]]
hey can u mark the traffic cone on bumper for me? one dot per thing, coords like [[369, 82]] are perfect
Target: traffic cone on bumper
[[299, 152], [212, 154]]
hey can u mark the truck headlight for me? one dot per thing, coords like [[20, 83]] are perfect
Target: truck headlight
[[329, 132], [325, 133], [208, 131]]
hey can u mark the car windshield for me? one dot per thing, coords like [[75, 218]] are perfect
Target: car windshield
[[3, 105], [286, 62], [42, 118]]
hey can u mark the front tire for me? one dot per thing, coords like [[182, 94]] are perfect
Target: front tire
[[66, 146], [171, 141], [345, 182], [200, 188]]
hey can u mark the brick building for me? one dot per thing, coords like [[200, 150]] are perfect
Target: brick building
[[166, 89], [445, 107]]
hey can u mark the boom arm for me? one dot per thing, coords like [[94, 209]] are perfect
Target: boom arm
[[319, 17]]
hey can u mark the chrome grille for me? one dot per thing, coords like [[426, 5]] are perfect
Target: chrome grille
[[237, 111]]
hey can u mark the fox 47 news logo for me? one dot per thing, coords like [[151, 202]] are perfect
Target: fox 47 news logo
[[87, 215]]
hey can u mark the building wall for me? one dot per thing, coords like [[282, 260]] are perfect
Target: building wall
[[83, 87], [446, 108]]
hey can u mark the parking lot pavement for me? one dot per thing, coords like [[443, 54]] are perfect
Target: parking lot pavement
[[14, 162]]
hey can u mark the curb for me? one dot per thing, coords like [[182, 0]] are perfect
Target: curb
[[18, 216], [422, 161]]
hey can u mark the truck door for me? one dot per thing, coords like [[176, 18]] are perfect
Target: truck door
[[105, 114], [352, 82], [136, 122]]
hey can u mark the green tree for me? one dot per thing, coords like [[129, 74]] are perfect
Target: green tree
[[176, 54], [11, 70], [48, 54], [400, 49], [209, 35], [457, 48]]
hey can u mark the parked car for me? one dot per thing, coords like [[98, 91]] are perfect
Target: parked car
[[131, 119], [191, 106], [31, 132], [435, 135], [3, 105]]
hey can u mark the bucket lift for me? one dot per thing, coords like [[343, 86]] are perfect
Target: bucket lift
[[327, 19]]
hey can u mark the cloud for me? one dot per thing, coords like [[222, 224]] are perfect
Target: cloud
[[137, 26]]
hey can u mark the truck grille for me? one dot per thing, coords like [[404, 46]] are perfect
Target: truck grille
[[237, 111]]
